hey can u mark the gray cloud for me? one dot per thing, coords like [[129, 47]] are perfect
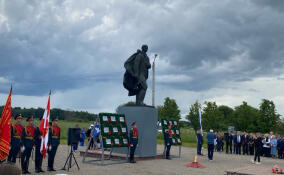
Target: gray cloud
[[64, 45]]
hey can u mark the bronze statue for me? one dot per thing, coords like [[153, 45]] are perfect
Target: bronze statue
[[136, 74]]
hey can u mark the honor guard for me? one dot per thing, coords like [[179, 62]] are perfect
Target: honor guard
[[28, 136], [133, 136], [53, 142], [168, 141], [38, 155], [16, 134]]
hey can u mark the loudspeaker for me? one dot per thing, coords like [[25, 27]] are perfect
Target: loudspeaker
[[73, 136]]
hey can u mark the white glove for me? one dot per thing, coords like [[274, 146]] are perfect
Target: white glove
[[22, 149]]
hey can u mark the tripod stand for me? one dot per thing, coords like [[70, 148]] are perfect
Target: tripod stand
[[69, 160]]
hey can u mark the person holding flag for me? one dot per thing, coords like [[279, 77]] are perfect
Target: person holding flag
[[53, 142], [199, 142], [38, 155], [43, 128], [16, 134], [28, 136], [199, 135]]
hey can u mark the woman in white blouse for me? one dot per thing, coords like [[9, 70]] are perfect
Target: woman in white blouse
[[266, 145]]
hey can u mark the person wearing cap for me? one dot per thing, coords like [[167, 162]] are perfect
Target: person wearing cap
[[38, 155], [168, 141], [28, 136], [16, 134], [133, 140], [53, 142], [210, 142]]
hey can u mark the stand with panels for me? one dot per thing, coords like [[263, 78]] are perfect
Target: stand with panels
[[176, 134], [113, 134]]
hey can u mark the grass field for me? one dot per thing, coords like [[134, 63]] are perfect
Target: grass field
[[187, 134]]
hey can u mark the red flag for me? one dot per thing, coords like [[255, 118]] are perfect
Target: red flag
[[44, 128], [5, 129]]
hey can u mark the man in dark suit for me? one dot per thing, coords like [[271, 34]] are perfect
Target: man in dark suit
[[229, 142], [199, 142], [238, 142], [245, 141]]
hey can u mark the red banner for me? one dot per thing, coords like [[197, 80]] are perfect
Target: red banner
[[5, 129]]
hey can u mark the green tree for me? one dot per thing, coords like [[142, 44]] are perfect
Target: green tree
[[245, 118], [160, 107], [268, 116], [193, 115], [228, 114], [213, 118], [169, 110], [280, 127]]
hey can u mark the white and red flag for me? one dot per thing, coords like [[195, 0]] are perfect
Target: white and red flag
[[44, 128]]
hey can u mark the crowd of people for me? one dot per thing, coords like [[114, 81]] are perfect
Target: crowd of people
[[236, 142]]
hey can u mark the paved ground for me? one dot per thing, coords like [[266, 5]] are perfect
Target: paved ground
[[176, 166]]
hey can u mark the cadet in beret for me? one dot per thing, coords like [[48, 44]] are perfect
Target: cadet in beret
[[168, 141], [38, 155], [133, 136], [53, 142], [16, 134], [28, 141]]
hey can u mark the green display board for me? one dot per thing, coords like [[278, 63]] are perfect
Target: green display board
[[114, 130], [175, 130]]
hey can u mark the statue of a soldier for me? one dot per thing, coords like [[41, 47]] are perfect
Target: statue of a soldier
[[136, 74]]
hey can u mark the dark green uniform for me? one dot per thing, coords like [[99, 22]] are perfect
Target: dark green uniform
[[53, 141], [38, 155], [133, 140], [28, 143], [16, 142], [168, 142]]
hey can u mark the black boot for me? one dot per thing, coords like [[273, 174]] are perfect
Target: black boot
[[131, 159]]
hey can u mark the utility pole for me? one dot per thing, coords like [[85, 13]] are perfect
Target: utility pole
[[153, 81]]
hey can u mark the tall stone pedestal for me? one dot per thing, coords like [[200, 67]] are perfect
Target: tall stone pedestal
[[146, 118]]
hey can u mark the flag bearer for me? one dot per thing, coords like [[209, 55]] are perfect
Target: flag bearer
[[133, 141], [38, 155], [16, 134], [28, 136], [53, 142]]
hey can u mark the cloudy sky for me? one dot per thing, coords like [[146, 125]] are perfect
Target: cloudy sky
[[224, 50]]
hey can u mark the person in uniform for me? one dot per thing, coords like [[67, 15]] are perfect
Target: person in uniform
[[28, 135], [53, 143], [38, 155], [133, 136], [16, 134], [168, 141], [199, 137]]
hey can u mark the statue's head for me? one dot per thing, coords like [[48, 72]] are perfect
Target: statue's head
[[144, 48]]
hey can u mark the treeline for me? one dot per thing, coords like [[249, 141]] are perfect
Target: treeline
[[243, 117], [78, 116]]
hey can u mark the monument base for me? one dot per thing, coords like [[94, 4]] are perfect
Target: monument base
[[146, 118]]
